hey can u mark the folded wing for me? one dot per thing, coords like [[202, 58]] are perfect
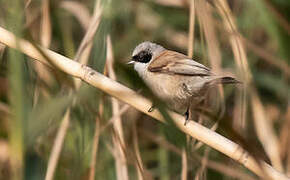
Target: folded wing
[[172, 62]]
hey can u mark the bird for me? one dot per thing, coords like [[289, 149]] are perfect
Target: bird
[[175, 78]]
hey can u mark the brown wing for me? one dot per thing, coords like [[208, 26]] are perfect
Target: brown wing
[[172, 62]]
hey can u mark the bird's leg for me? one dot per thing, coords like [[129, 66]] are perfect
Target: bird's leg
[[151, 108], [186, 116]]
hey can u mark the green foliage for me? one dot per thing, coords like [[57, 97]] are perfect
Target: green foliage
[[36, 106]]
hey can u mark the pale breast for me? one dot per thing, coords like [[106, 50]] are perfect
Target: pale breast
[[171, 89], [176, 90]]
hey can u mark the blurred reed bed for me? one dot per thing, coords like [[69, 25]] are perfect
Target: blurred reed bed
[[55, 127]]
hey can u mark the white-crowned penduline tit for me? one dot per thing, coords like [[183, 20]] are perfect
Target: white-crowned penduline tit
[[175, 78]]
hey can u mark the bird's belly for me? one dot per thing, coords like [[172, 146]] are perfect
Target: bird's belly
[[174, 94]]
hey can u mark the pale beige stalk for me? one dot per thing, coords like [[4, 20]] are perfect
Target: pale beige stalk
[[174, 3], [120, 159], [115, 89], [45, 40], [112, 119], [85, 46], [45, 27], [199, 144], [201, 172], [228, 170], [191, 29], [190, 51], [4, 109], [265, 132], [184, 164], [206, 19], [139, 164], [79, 11], [95, 148], [82, 57], [57, 146], [241, 62]]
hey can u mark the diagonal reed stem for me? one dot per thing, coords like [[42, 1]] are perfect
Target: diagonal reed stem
[[123, 93]]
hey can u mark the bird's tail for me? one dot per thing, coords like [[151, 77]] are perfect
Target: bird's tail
[[229, 80], [224, 80]]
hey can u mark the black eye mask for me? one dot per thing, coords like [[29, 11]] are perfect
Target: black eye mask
[[143, 57]]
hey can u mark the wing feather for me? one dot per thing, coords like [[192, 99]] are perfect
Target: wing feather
[[172, 62]]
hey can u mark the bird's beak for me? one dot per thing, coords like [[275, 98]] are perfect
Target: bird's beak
[[130, 62]]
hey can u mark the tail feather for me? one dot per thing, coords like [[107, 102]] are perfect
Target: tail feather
[[229, 80], [224, 80]]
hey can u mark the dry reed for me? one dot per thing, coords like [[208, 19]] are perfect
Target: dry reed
[[82, 57], [226, 169], [125, 94], [120, 159]]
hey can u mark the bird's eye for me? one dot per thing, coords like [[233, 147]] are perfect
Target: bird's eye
[[143, 57], [146, 58]]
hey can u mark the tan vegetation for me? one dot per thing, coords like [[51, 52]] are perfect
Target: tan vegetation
[[62, 128]]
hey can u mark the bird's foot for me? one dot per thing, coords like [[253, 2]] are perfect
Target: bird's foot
[[151, 108], [186, 117]]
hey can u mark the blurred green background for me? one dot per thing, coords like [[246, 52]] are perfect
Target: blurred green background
[[34, 98]]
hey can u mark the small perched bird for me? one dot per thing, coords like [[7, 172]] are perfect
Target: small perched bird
[[174, 77]]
